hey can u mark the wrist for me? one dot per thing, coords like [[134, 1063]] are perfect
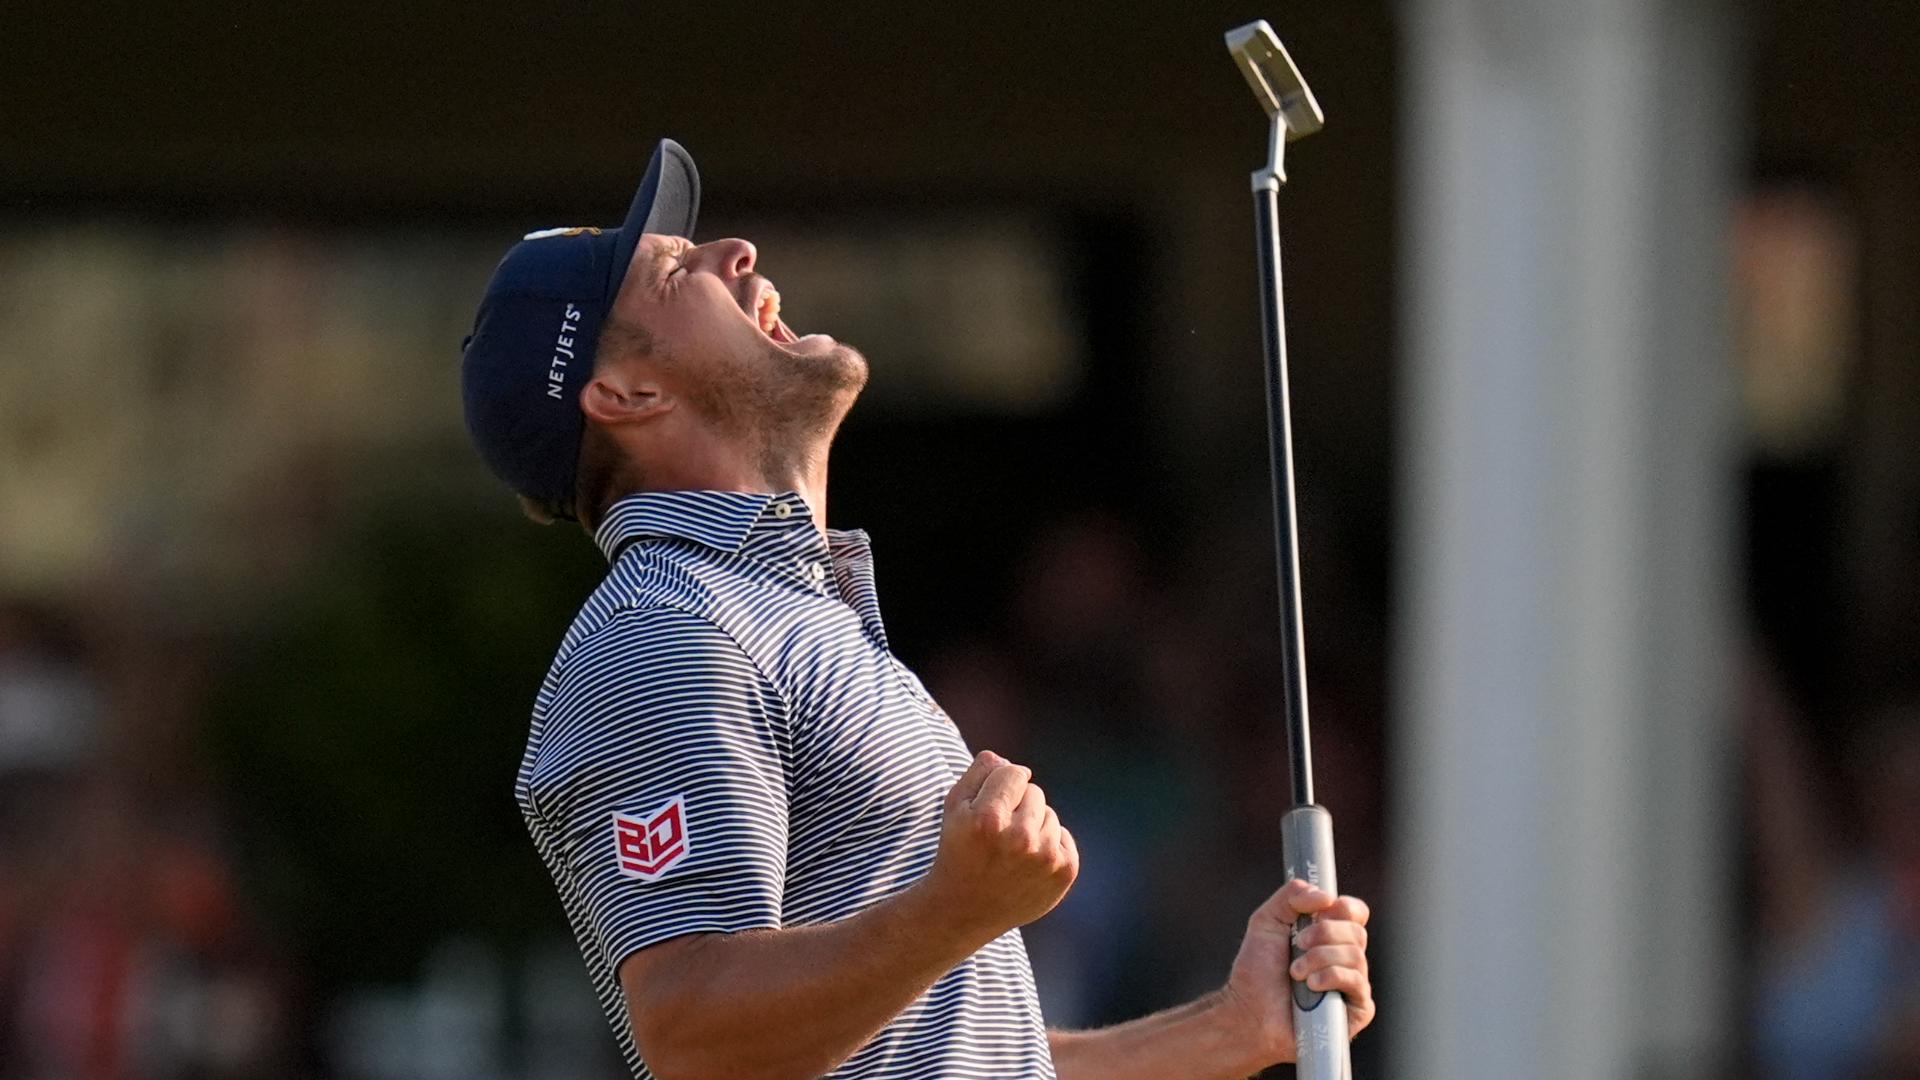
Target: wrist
[[1251, 1038], [937, 918]]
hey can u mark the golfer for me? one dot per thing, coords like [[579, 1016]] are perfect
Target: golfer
[[777, 853]]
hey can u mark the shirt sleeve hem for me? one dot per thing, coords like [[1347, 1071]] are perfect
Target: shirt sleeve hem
[[616, 949]]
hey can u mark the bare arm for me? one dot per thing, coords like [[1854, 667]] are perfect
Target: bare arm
[[1247, 1026], [793, 1004], [1202, 1040], [786, 1003]]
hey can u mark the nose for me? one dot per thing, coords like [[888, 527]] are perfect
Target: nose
[[730, 258]]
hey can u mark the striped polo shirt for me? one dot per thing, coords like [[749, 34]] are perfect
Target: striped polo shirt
[[725, 742]]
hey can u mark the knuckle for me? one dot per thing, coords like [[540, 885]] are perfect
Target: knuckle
[[1321, 956], [1334, 932], [1333, 977]]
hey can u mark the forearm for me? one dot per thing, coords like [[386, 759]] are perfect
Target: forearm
[[1202, 1040], [778, 1004]]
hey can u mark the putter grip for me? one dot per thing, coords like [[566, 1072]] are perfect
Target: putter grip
[[1319, 1018]]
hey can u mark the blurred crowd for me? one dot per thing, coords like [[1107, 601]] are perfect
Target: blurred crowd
[[1836, 904], [126, 945], [1135, 672], [1144, 692]]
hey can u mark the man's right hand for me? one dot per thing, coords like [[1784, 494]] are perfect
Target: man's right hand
[[1005, 859]]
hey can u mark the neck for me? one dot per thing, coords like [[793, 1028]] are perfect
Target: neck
[[758, 471], [809, 479]]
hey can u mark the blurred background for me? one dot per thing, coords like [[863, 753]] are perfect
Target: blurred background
[[1605, 331]]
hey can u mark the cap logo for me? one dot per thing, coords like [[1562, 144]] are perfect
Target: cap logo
[[562, 351], [571, 230], [646, 847]]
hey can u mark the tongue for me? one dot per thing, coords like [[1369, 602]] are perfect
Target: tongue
[[782, 333]]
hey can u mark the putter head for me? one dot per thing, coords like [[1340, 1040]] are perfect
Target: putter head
[[1274, 79]]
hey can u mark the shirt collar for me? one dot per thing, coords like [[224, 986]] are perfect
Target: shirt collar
[[718, 519]]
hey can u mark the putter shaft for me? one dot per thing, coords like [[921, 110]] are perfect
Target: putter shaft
[[1286, 546]]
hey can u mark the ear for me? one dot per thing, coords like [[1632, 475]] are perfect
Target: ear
[[623, 396]]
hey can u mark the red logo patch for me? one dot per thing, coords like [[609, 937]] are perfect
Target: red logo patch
[[647, 847]]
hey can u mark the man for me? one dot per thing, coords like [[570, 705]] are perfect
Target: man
[[777, 854]]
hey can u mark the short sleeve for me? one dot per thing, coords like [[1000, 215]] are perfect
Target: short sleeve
[[661, 780]]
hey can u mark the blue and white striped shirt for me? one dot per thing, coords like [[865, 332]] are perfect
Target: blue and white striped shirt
[[726, 743]]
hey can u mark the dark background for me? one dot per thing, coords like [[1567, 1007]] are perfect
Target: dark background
[[331, 717]]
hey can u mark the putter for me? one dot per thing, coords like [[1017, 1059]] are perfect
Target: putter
[[1306, 832]]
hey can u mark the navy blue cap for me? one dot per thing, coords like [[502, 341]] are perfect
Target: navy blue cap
[[532, 346]]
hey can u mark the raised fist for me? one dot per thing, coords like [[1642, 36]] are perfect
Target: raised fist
[[1005, 859]]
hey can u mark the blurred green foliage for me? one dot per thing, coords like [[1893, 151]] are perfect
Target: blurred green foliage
[[368, 733]]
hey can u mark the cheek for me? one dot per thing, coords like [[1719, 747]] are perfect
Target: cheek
[[707, 320]]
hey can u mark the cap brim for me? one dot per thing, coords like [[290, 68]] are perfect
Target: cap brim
[[668, 202]]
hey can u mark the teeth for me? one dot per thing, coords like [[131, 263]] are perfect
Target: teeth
[[769, 311]]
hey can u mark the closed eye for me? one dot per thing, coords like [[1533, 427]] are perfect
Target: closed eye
[[662, 276], [675, 256]]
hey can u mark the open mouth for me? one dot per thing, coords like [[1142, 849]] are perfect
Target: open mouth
[[766, 313]]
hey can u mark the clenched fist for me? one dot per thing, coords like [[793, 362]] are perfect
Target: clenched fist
[[1004, 859]]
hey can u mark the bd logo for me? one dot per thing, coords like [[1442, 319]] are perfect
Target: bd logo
[[646, 847]]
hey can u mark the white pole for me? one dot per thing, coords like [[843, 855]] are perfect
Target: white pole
[[1565, 558]]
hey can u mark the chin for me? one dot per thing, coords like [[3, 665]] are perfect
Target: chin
[[832, 361], [852, 365]]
